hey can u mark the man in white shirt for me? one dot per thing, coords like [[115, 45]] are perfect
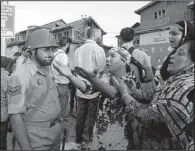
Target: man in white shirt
[[89, 56], [62, 82]]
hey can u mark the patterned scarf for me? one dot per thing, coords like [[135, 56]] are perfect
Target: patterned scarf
[[174, 103]]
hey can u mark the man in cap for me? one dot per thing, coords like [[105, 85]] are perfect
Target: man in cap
[[34, 106], [127, 35], [140, 58]]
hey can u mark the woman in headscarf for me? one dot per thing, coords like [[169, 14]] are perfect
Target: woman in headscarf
[[168, 121], [179, 33], [110, 128]]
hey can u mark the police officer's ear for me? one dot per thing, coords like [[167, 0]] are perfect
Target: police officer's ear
[[33, 52]]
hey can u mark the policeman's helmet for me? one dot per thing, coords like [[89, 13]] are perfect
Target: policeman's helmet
[[39, 37]]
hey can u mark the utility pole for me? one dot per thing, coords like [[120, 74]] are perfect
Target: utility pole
[[5, 16], [3, 40]]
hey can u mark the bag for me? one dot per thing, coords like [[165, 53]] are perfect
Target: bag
[[136, 63], [9, 126]]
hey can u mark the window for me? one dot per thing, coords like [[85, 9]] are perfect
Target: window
[[159, 14], [138, 41], [89, 23], [55, 37], [155, 15], [66, 34], [56, 25], [163, 13], [59, 36]]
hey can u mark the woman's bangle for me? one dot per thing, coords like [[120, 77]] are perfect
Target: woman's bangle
[[124, 96]]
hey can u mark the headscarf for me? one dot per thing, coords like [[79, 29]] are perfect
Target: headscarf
[[123, 53], [175, 104], [188, 34]]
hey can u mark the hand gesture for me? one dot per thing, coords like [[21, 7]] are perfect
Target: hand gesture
[[120, 85], [63, 70], [131, 108], [84, 73], [131, 84]]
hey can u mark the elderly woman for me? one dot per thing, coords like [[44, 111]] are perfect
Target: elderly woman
[[168, 120], [179, 33], [110, 129]]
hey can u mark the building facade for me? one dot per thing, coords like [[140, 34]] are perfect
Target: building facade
[[76, 30], [155, 21]]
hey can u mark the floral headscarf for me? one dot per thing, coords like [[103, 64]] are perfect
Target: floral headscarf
[[123, 53]]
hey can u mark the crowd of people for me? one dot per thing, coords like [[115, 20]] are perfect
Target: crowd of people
[[127, 105]]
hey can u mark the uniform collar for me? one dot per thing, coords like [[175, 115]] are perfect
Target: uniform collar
[[35, 67]]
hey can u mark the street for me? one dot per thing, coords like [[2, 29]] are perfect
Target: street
[[71, 123]]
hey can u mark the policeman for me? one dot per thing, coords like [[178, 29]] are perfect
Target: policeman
[[34, 106]]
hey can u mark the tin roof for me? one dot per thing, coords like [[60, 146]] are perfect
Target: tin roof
[[78, 22], [138, 11]]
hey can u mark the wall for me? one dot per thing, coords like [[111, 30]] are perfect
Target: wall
[[156, 45], [175, 11], [61, 33]]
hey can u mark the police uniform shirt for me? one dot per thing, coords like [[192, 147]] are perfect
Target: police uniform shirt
[[26, 85]]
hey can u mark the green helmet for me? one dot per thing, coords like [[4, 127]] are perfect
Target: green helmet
[[40, 37]]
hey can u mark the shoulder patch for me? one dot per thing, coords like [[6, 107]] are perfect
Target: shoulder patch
[[14, 91]]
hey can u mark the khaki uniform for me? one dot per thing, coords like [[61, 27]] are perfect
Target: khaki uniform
[[26, 85]]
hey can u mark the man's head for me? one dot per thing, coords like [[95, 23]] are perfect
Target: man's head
[[65, 44], [4, 62], [95, 34], [127, 34], [117, 59], [42, 45]]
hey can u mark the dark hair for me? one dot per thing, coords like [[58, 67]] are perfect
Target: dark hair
[[91, 31], [4, 62], [7, 63], [127, 34], [192, 50], [128, 68], [17, 54], [64, 41]]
